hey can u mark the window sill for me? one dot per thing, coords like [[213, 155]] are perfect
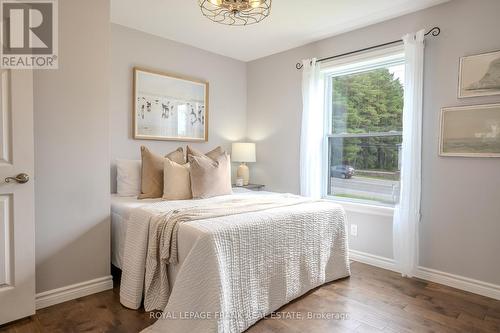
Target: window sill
[[363, 208]]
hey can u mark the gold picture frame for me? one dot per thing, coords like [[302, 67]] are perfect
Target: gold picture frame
[[169, 107]]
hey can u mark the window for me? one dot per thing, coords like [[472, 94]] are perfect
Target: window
[[364, 134]]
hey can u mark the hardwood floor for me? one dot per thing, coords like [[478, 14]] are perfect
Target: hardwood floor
[[373, 299]]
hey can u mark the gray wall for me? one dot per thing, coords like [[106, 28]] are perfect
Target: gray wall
[[72, 151], [77, 133], [461, 215], [227, 88]]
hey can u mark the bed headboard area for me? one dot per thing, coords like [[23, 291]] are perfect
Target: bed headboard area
[[226, 94], [161, 149]]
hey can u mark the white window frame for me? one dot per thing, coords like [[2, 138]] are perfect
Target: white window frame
[[344, 66]]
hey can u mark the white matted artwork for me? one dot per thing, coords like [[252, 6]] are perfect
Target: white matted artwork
[[168, 107], [470, 131], [479, 75]]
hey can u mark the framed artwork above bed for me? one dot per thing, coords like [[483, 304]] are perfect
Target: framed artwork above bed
[[169, 107]]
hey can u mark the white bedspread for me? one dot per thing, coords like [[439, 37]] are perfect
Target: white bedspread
[[121, 207], [240, 267]]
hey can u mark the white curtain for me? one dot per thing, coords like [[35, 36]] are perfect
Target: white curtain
[[407, 212], [312, 133]]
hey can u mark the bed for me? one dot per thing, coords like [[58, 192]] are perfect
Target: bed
[[231, 269]]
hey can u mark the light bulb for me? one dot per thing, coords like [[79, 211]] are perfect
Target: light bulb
[[215, 2], [255, 3]]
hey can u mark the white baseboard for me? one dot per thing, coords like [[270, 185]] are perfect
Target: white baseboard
[[459, 282], [373, 260], [59, 295], [451, 280]]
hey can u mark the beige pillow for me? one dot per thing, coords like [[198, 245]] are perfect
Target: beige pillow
[[176, 181], [213, 154], [152, 171], [210, 178]]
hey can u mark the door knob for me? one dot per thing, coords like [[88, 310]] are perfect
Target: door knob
[[20, 178]]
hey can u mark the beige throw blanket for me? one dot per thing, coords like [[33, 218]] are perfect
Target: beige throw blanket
[[164, 227]]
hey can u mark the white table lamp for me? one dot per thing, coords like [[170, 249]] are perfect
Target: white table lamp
[[243, 152]]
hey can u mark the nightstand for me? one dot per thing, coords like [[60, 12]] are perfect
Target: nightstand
[[253, 187]]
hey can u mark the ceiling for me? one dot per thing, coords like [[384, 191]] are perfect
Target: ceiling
[[292, 23]]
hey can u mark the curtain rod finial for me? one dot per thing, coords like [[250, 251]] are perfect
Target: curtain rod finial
[[299, 65], [434, 31]]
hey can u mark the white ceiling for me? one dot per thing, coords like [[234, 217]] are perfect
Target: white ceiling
[[292, 23]]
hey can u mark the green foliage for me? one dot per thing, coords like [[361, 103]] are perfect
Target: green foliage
[[366, 103]]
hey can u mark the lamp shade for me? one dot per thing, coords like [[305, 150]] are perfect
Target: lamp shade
[[243, 152]]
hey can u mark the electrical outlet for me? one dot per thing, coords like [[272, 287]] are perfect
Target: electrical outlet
[[354, 230]]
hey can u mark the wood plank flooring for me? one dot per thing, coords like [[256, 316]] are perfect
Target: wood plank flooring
[[371, 300]]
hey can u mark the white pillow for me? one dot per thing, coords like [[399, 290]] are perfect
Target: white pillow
[[128, 178]]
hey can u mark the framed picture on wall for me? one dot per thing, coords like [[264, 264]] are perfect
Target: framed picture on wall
[[470, 131], [169, 107], [479, 75]]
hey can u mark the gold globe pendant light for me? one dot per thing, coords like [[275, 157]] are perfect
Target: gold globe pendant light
[[236, 12]]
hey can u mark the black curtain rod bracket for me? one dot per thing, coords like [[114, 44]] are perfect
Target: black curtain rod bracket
[[433, 32]]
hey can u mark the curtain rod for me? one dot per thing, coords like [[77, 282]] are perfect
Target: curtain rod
[[434, 32]]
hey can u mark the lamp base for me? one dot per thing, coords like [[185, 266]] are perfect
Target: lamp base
[[243, 172]]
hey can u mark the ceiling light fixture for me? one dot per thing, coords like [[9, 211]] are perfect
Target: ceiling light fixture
[[236, 12]]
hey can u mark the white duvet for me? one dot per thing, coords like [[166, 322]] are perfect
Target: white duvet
[[241, 267]]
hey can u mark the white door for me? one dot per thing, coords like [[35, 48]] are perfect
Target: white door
[[17, 229]]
